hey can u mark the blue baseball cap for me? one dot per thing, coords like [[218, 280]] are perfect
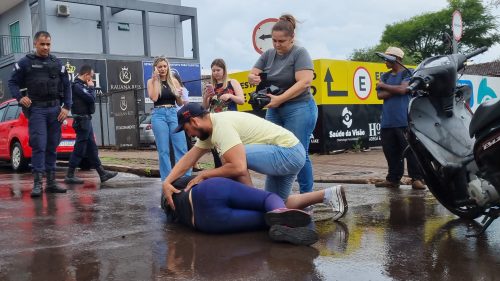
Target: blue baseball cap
[[187, 112]]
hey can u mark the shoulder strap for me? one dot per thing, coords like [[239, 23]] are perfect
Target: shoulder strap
[[52, 57], [31, 56]]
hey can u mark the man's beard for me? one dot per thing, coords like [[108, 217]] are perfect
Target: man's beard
[[203, 135]]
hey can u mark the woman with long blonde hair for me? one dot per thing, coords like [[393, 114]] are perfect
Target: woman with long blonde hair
[[165, 92]]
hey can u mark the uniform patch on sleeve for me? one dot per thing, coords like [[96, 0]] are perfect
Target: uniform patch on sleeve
[[16, 67]]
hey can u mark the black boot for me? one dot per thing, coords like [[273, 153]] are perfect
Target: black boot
[[52, 186], [105, 175], [37, 184], [71, 178]]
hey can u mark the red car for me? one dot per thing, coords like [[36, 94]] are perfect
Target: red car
[[14, 139]]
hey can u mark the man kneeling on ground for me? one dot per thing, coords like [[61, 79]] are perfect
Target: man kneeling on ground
[[244, 141]]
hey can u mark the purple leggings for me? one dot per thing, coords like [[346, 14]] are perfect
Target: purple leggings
[[223, 205]]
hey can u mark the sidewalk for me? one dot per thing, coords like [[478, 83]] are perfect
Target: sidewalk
[[345, 167]]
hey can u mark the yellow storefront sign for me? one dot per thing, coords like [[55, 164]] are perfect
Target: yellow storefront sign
[[242, 77], [346, 82], [335, 82]]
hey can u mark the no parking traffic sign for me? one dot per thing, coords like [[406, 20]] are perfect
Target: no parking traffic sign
[[457, 25], [362, 83], [261, 36]]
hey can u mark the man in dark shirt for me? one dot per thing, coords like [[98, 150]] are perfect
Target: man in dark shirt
[[392, 89], [82, 110], [40, 83]]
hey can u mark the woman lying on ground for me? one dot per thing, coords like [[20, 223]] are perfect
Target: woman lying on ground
[[221, 205]]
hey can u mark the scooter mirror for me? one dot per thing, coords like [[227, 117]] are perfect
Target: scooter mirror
[[385, 57]]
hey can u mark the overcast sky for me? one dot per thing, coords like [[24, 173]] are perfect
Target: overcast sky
[[328, 29]]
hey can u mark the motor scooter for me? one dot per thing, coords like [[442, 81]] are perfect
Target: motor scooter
[[458, 150]]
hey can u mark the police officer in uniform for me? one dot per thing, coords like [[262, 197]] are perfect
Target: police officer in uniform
[[82, 110], [41, 85]]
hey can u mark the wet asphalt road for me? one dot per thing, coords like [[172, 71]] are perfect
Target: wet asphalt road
[[117, 231]]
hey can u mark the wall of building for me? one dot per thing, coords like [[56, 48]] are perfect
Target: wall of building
[[77, 33], [80, 33], [19, 13], [484, 88]]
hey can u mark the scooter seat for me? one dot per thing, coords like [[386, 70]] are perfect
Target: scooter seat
[[486, 113]]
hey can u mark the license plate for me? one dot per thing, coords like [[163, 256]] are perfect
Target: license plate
[[67, 143]]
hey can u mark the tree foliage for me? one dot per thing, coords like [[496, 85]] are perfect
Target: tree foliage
[[429, 34], [368, 54]]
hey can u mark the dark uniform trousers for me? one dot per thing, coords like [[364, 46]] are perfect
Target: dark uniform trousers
[[45, 136], [85, 146], [394, 144]]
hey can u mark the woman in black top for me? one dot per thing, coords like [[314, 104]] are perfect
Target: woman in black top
[[165, 93]]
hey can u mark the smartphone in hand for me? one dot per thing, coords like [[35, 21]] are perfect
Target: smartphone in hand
[[209, 88]]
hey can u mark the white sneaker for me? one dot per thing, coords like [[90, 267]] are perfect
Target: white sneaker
[[309, 210], [338, 202]]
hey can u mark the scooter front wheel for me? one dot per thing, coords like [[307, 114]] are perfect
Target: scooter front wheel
[[442, 188]]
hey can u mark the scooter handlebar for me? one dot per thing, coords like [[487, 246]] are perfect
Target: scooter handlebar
[[476, 52], [414, 85]]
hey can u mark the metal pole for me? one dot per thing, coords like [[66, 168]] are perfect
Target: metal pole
[[104, 29], [137, 119], [455, 46], [102, 123], [145, 33]]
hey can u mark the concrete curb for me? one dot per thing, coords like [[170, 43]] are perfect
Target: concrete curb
[[155, 173]]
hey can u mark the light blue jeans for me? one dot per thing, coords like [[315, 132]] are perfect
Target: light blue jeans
[[164, 122], [280, 164], [299, 117]]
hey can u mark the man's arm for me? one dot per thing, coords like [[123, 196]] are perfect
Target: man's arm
[[180, 168], [234, 167], [383, 95], [185, 163], [385, 91], [16, 80], [85, 93]]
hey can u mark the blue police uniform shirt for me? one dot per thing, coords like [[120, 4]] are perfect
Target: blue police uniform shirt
[[395, 108], [83, 97], [18, 77]]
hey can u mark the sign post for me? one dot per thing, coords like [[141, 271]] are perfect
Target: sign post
[[457, 28], [261, 36]]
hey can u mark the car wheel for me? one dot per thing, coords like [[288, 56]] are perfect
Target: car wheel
[[18, 162]]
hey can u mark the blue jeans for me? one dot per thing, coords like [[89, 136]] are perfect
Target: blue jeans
[[299, 117], [45, 136], [280, 164], [164, 122], [223, 205]]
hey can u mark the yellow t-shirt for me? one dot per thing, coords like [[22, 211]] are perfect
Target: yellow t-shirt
[[231, 128]]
